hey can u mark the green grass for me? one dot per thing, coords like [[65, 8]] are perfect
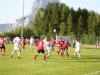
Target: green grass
[[89, 64]]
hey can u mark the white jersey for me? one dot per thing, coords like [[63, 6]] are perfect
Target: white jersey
[[44, 41], [78, 46], [16, 42], [48, 46], [32, 41]]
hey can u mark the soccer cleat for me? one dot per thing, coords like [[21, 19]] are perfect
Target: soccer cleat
[[11, 56], [19, 58], [47, 57], [3, 54], [33, 59], [44, 60], [57, 51]]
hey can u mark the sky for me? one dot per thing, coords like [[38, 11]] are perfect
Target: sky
[[10, 10]]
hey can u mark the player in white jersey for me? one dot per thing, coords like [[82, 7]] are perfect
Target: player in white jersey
[[48, 46], [17, 43], [45, 40], [32, 42], [78, 48]]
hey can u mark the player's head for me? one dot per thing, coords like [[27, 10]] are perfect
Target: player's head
[[76, 39], [17, 35], [60, 38], [40, 39]]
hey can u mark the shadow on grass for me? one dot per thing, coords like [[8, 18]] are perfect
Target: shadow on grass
[[85, 58], [73, 61], [89, 48]]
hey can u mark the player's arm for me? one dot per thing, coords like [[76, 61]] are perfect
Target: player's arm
[[80, 46], [20, 43]]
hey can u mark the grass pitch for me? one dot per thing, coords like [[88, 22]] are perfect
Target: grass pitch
[[89, 64]]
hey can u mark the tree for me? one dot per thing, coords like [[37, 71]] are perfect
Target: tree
[[80, 26], [64, 12], [69, 23], [91, 25], [63, 29]]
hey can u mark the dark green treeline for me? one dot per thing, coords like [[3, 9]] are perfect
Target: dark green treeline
[[81, 23]]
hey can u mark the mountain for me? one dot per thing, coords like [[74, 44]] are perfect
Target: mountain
[[5, 27], [31, 16]]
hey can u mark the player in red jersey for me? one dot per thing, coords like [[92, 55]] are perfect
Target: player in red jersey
[[2, 46], [23, 43], [53, 42], [64, 48], [59, 44], [40, 44]]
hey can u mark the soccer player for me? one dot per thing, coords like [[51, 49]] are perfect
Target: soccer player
[[60, 44], [53, 42], [23, 43], [17, 43], [31, 42], [96, 45], [48, 48], [45, 40], [78, 48], [64, 48], [40, 45], [2, 46]]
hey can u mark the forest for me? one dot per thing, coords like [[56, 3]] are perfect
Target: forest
[[82, 23]]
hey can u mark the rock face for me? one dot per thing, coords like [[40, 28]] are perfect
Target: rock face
[[31, 16], [5, 27]]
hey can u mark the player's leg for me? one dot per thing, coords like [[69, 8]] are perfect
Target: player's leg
[[75, 53], [36, 55], [58, 50], [67, 53], [4, 50], [53, 48], [1, 49], [19, 52], [62, 52], [49, 53], [12, 53], [44, 55], [30, 46], [79, 54], [23, 46]]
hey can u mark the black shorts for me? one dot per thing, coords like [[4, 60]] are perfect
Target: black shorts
[[24, 44], [2, 46], [40, 51], [65, 49]]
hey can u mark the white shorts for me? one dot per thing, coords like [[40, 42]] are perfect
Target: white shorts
[[16, 48], [31, 44], [77, 50], [49, 49]]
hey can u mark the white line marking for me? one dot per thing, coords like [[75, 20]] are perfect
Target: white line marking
[[92, 73]]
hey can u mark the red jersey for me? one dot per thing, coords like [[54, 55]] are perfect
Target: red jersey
[[53, 42], [60, 43], [96, 43], [23, 40], [65, 45], [2, 41], [40, 45]]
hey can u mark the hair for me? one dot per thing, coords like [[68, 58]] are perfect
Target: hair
[[60, 37], [17, 35], [76, 39]]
